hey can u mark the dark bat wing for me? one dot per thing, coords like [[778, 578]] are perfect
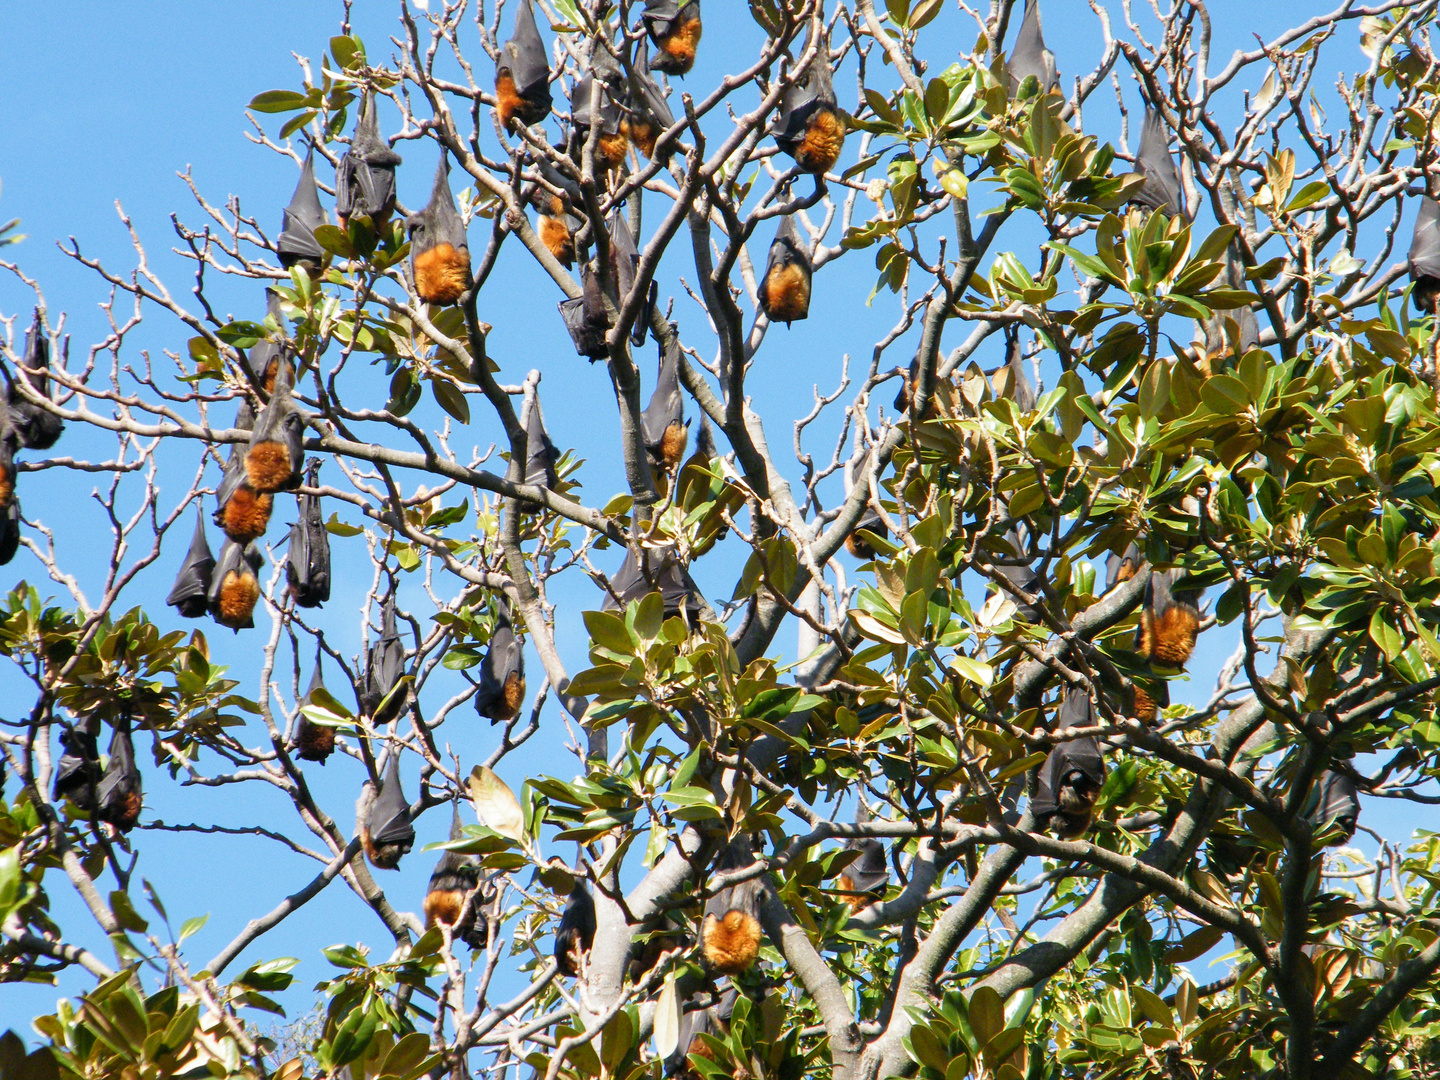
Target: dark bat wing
[[190, 593], [452, 864], [657, 570], [1068, 758], [659, 14], [646, 94], [296, 242], [809, 95], [439, 222], [540, 453], [281, 424], [870, 872], [582, 111], [78, 769], [33, 426], [9, 530], [365, 181], [1022, 577], [390, 812], [232, 560], [1076, 710], [524, 55], [1424, 255], [1337, 801], [1161, 190], [1030, 56], [577, 927]]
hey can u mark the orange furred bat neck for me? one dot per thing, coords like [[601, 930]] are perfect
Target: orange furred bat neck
[[672, 444], [315, 742], [443, 906], [1144, 709], [610, 151], [558, 239], [785, 294], [508, 102], [267, 466], [239, 593], [272, 369], [247, 515], [513, 695], [127, 814], [681, 45], [1126, 571], [824, 139], [381, 856], [442, 274], [731, 942], [1169, 637], [854, 899], [857, 546], [641, 133], [7, 486]]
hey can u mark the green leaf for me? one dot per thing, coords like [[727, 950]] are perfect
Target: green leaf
[[278, 101], [192, 926], [451, 400]]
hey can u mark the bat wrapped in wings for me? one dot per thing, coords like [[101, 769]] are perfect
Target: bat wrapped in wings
[[119, 794], [34, 426], [277, 444], [576, 932], [675, 28], [448, 898], [242, 512], [235, 585], [663, 424], [540, 453], [1072, 774], [190, 595], [1161, 187], [78, 771], [656, 569], [307, 560], [1334, 805], [296, 245], [1424, 255], [1170, 619], [522, 73], [784, 292], [591, 106], [1030, 56], [312, 741], [439, 251], [263, 363], [863, 881], [365, 177], [647, 113], [586, 318], [501, 691], [387, 833], [730, 931], [809, 126], [383, 668]]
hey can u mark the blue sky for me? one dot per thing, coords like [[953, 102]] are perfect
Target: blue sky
[[107, 102]]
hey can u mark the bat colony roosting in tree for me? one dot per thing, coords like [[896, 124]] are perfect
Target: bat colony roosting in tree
[[975, 740]]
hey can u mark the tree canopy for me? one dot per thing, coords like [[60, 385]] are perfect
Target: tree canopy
[[1073, 641]]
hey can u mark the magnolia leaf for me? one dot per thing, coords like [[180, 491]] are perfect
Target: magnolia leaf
[[667, 1019], [496, 804]]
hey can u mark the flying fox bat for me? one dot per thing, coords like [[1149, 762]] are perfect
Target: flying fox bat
[[1073, 773], [586, 318], [241, 511], [863, 881], [1030, 56], [1336, 804], [610, 143], [385, 664], [1149, 694], [190, 595], [9, 443], [663, 424], [312, 741], [713, 1021], [540, 452], [1161, 189], [730, 932], [559, 221], [1169, 621], [78, 771], [1009, 380], [675, 28], [1022, 577], [387, 833], [576, 932], [625, 259], [454, 878], [784, 294], [1121, 568], [808, 125], [365, 177], [869, 521], [307, 562], [1424, 255], [296, 245], [647, 112], [501, 692], [34, 428], [661, 572], [263, 362], [439, 252], [234, 586], [9, 529], [277, 443], [522, 74], [119, 795]]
